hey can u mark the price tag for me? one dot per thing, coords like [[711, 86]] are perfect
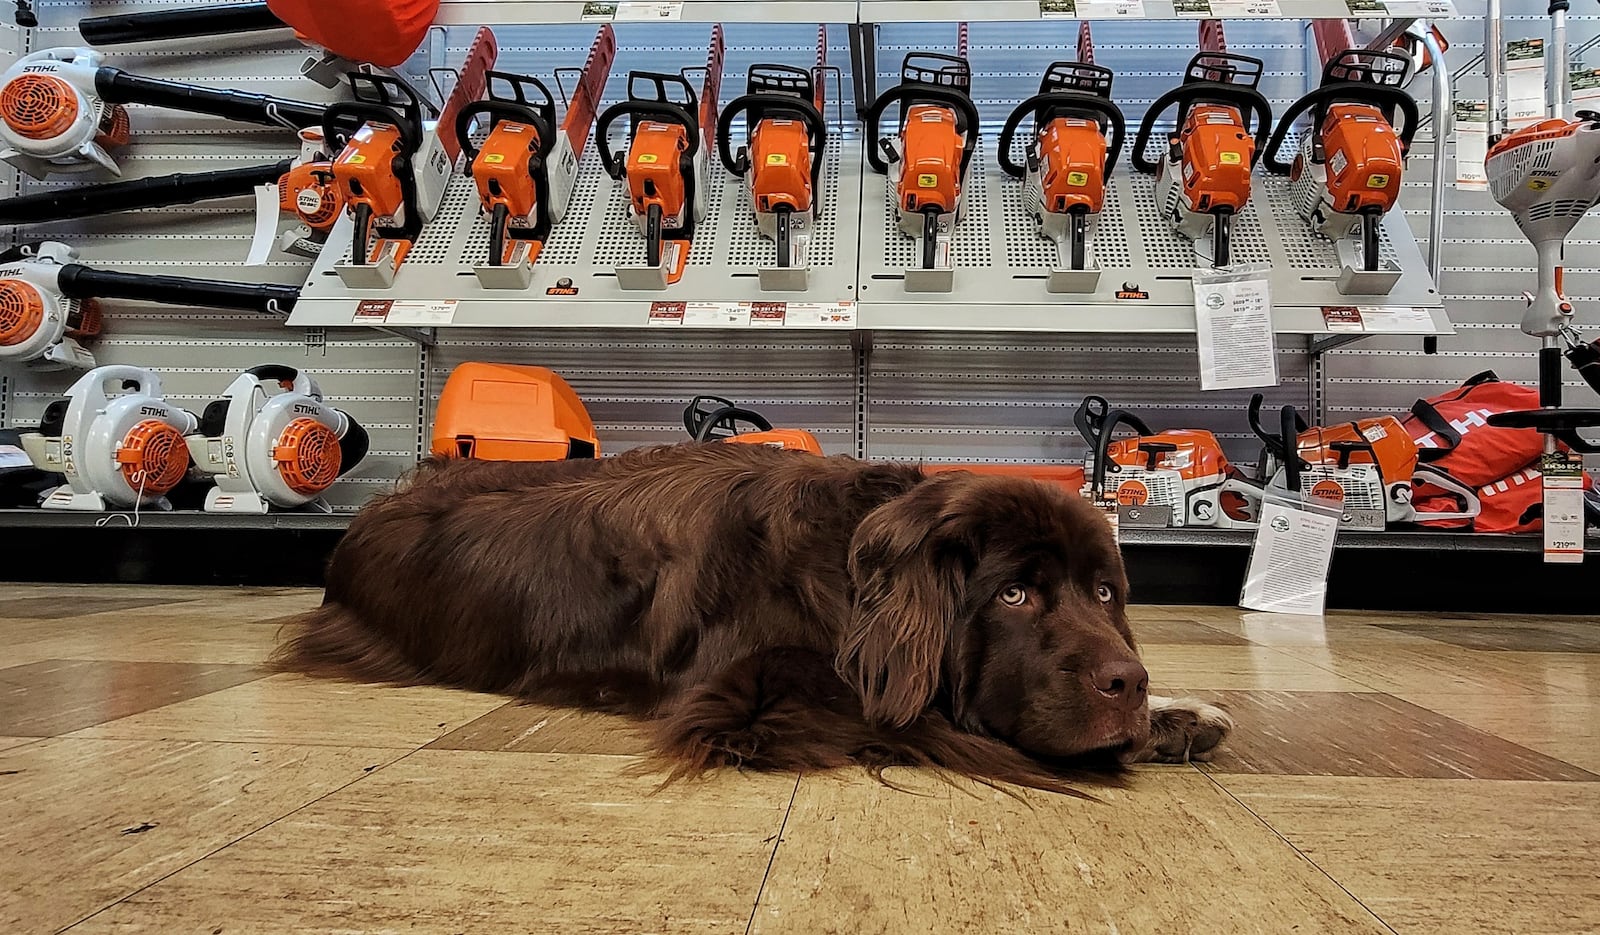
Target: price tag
[[1342, 318], [1438, 9], [1366, 7], [716, 314], [265, 236], [768, 314], [1058, 9], [1525, 82], [441, 312], [824, 315], [1563, 507], [648, 11], [1233, 325], [667, 314], [1227, 9], [1585, 88], [1110, 9], [1472, 145], [599, 12], [1288, 572], [1395, 320]]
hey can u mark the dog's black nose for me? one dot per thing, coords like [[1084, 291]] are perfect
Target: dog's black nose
[[1123, 682]]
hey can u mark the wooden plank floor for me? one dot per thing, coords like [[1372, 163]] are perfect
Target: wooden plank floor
[[1391, 773]]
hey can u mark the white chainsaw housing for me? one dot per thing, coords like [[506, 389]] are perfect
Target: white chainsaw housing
[[77, 148], [96, 426], [1187, 222], [48, 347], [1308, 192], [1196, 502]]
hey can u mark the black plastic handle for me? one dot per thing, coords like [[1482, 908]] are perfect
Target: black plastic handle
[[664, 111], [1247, 99], [279, 372], [1353, 92], [343, 119], [82, 282], [1289, 421], [1108, 115], [1276, 444], [118, 86], [158, 192], [703, 424], [1096, 421], [909, 94], [766, 105], [502, 112], [178, 24], [1561, 424]]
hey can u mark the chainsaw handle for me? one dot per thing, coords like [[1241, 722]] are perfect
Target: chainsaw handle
[[761, 105], [227, 19], [82, 282], [120, 87], [907, 94], [502, 112], [1096, 421], [363, 113], [1247, 99], [1277, 445], [134, 194], [1104, 111], [1560, 424], [1353, 92], [1289, 420], [667, 111], [702, 424], [286, 377]]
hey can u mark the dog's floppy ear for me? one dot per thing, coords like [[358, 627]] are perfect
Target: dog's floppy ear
[[908, 566]]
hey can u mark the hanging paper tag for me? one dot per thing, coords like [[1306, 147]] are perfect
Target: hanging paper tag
[[1288, 572], [1472, 145], [1563, 507], [266, 233], [1233, 325], [1585, 89], [1525, 82]]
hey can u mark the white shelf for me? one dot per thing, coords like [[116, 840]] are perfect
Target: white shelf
[[543, 12], [1010, 11]]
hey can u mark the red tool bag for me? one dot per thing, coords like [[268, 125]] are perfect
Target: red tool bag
[[1453, 433], [1514, 503], [383, 32]]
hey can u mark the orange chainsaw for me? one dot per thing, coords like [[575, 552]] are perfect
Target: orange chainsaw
[[1346, 176], [511, 168], [1203, 173], [930, 152], [1182, 472], [782, 161], [714, 419], [1076, 137]]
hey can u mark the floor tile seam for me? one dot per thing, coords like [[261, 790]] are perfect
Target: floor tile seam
[[777, 842]]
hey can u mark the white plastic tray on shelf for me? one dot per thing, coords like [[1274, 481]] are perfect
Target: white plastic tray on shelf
[[540, 12]]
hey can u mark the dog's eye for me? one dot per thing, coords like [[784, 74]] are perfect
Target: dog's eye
[[1015, 595], [1104, 591]]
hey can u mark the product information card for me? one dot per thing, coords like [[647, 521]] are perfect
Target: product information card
[[1233, 325], [1288, 571]]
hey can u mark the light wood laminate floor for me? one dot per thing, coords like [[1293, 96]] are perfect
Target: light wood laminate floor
[[1391, 774]]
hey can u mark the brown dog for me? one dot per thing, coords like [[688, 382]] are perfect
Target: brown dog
[[763, 608]]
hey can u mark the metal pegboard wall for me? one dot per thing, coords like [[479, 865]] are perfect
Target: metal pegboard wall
[[636, 384]]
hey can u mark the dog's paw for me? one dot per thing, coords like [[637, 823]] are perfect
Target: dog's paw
[[1183, 729]]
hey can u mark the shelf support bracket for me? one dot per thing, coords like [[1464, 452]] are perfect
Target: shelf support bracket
[[427, 337]]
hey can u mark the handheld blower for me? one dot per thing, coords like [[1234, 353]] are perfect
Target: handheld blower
[[117, 442], [309, 195], [1182, 472], [929, 154], [272, 442], [1203, 173], [47, 302], [781, 161], [1346, 175], [715, 419], [391, 174], [61, 110], [1076, 136]]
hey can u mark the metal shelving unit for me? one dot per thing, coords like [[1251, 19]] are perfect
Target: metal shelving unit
[[937, 11], [551, 12]]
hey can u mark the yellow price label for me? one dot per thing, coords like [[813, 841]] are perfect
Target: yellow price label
[[1378, 180], [494, 158], [1538, 185], [1231, 159], [777, 159], [927, 180], [647, 158], [355, 159], [1078, 179]]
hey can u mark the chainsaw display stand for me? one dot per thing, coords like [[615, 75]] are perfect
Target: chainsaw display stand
[[1355, 281]]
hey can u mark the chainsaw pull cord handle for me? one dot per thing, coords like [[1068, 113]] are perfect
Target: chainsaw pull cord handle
[[765, 105], [82, 282], [120, 87], [1386, 98], [1107, 114], [123, 28], [134, 194], [959, 104], [665, 111], [1247, 99]]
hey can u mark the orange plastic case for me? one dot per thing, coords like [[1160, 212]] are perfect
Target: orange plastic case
[[788, 439], [383, 32], [508, 412], [1070, 477]]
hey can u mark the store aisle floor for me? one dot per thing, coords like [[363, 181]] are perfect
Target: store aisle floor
[[1391, 773]]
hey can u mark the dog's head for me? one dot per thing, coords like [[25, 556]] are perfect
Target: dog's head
[[1008, 598]]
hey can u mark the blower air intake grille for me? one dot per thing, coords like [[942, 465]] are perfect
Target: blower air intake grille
[[1566, 208], [1360, 493], [1507, 173], [39, 107], [153, 458], [1137, 487], [307, 455], [21, 312]]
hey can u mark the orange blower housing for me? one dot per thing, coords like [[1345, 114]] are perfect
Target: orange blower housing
[[510, 412]]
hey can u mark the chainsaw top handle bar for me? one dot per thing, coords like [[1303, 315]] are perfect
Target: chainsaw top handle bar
[[1053, 105], [1385, 98], [907, 95], [1097, 422], [503, 112], [1248, 100], [703, 422], [82, 282], [664, 111], [764, 105]]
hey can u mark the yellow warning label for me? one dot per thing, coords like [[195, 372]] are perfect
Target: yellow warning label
[[927, 180], [1230, 159], [1078, 179], [355, 159], [1378, 180], [777, 159], [647, 158], [1538, 185], [494, 158]]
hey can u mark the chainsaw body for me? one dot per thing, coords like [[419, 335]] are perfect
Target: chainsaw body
[[117, 442], [715, 419], [52, 117], [511, 170], [40, 327], [927, 157], [1076, 137], [273, 442], [1203, 175]]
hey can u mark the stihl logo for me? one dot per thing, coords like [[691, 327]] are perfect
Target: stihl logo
[[40, 68], [305, 409], [152, 411], [1477, 418]]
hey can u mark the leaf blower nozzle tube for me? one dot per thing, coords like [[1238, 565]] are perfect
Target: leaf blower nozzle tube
[[119, 87], [134, 194], [82, 282], [178, 24]]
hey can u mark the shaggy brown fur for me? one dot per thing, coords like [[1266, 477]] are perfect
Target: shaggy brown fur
[[762, 608]]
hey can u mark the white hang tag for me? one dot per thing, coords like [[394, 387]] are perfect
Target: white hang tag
[[1233, 327], [1563, 508], [13, 457], [1288, 571], [1525, 82], [266, 232], [1472, 145]]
